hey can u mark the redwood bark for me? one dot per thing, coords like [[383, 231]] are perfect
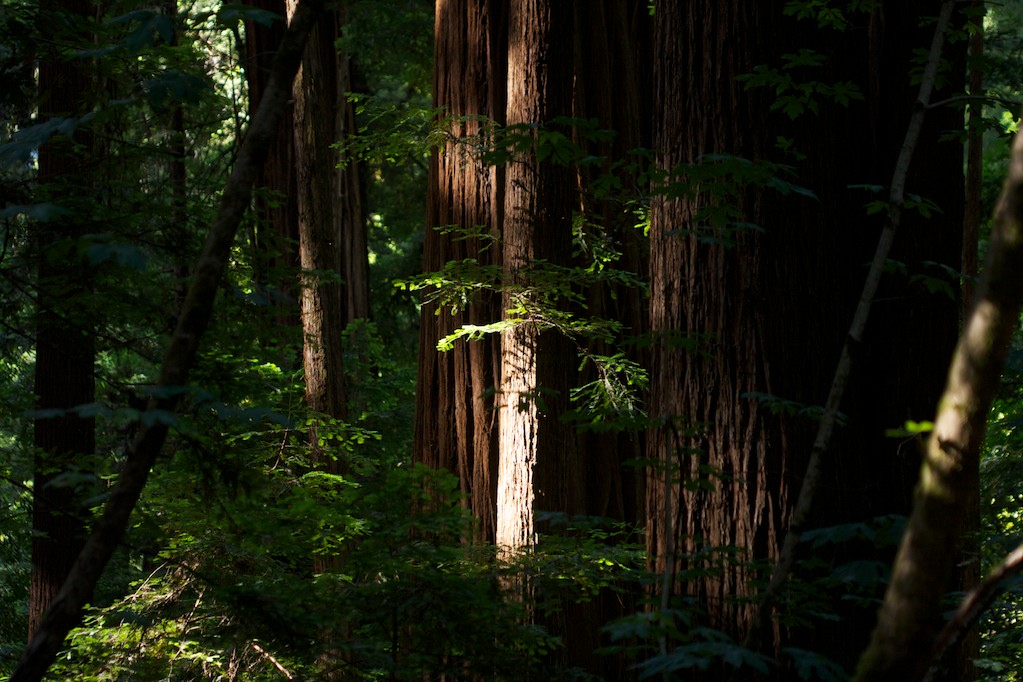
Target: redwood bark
[[538, 468], [317, 116], [456, 416], [770, 311]]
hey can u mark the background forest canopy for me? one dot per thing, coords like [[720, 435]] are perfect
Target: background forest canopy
[[510, 339]]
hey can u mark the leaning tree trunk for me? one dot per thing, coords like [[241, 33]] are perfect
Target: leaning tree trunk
[[456, 419], [65, 345]]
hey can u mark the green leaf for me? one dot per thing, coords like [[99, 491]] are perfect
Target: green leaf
[[909, 429]]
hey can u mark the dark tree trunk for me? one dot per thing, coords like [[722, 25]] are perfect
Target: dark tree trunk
[[317, 117], [456, 417], [354, 248], [65, 346], [771, 309], [274, 234], [612, 87]]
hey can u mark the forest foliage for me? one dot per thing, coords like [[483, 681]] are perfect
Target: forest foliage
[[214, 578]]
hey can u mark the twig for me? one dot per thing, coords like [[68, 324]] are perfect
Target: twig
[[268, 656]]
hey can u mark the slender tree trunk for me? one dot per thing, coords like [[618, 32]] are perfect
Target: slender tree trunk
[[274, 234], [316, 119], [456, 418], [65, 346], [354, 248]]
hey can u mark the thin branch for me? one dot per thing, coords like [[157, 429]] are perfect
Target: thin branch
[[972, 605], [268, 656], [65, 610], [896, 200]]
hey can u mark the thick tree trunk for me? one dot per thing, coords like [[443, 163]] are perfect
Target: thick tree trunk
[[537, 468], [710, 436], [770, 310], [65, 346], [456, 418]]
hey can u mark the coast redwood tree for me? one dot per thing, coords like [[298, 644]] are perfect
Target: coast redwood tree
[[456, 416], [752, 307], [538, 468], [317, 94]]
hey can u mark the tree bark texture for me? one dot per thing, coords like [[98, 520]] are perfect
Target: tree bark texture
[[708, 289], [274, 236], [613, 64], [456, 415], [766, 313], [65, 345], [538, 468], [317, 119], [64, 612]]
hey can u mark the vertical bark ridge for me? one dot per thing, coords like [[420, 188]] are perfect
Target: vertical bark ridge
[[456, 419]]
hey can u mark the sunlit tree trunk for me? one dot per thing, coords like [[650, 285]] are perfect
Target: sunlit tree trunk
[[537, 468], [768, 312], [456, 417], [65, 346]]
